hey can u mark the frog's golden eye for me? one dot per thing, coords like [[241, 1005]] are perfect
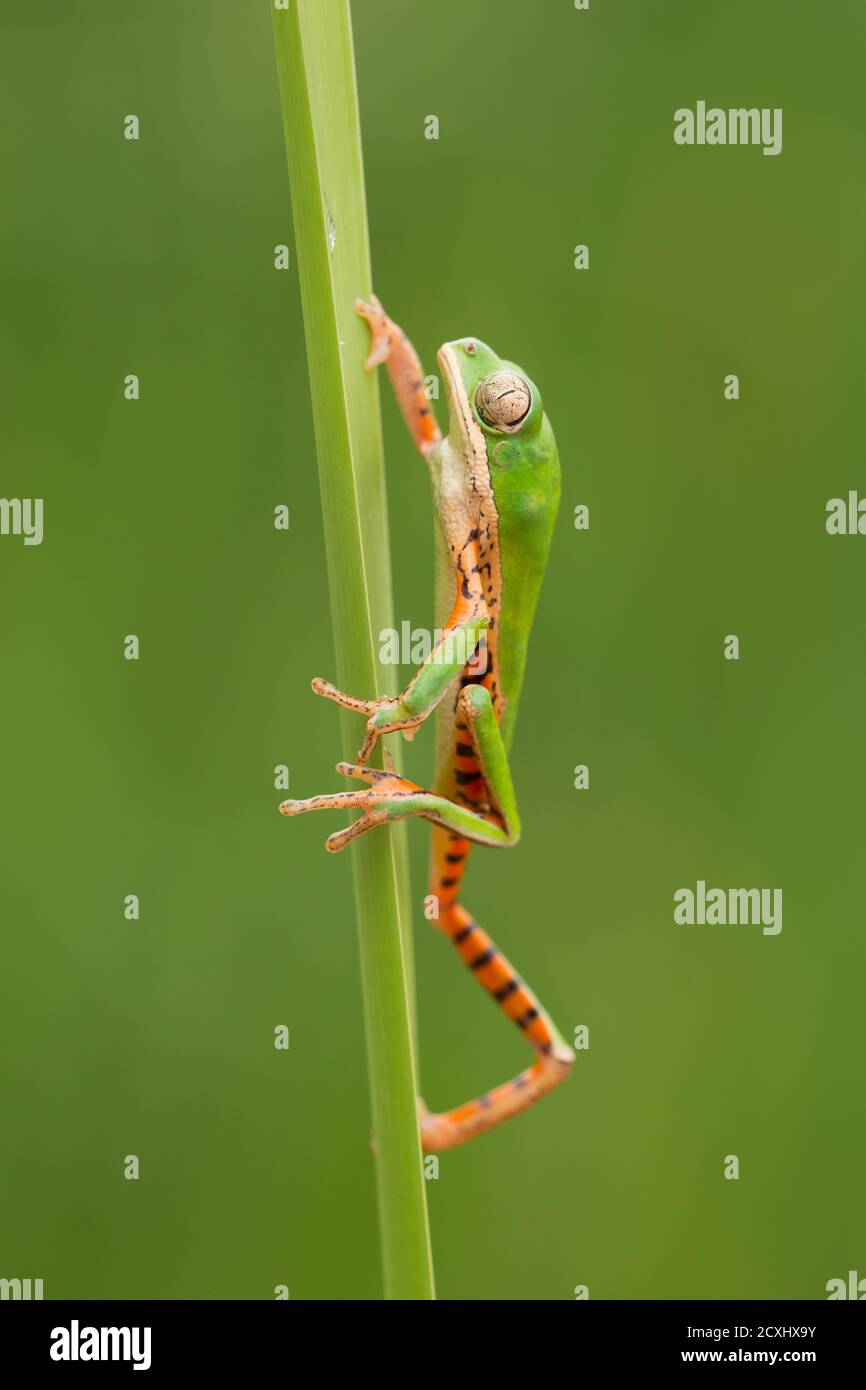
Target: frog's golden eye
[[503, 400]]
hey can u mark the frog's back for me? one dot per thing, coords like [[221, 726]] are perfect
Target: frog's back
[[526, 489]]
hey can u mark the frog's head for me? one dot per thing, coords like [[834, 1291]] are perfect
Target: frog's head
[[497, 414]]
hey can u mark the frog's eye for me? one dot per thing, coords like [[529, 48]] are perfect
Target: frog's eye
[[503, 400]]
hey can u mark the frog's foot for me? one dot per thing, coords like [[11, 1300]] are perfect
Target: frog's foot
[[381, 331], [386, 799], [384, 716]]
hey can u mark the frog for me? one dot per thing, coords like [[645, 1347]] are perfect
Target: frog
[[496, 484]]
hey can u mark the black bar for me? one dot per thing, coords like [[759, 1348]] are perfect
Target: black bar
[[220, 1338]]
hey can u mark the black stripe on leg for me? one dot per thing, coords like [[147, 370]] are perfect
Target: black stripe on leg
[[464, 778], [504, 990], [484, 959], [525, 1019]]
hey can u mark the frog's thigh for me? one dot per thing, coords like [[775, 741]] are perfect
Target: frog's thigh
[[475, 707]]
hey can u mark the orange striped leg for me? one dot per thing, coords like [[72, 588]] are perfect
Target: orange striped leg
[[492, 970], [390, 345]]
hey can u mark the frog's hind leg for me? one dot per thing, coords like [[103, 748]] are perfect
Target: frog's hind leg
[[390, 797], [522, 1006], [477, 951]]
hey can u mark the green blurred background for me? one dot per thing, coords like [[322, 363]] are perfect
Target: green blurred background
[[156, 777]]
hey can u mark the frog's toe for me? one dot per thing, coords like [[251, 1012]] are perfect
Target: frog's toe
[[364, 774], [330, 692], [380, 331], [341, 838]]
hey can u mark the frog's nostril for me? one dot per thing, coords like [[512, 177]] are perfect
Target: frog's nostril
[[503, 400]]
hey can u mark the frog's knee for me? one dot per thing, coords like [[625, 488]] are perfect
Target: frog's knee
[[476, 699]]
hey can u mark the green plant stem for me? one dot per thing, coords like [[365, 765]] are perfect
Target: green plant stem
[[315, 62]]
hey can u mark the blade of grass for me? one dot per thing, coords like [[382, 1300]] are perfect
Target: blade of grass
[[315, 62]]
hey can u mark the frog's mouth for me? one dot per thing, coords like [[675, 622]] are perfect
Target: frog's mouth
[[460, 417]]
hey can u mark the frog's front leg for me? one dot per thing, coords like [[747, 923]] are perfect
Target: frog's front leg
[[408, 711], [390, 345]]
